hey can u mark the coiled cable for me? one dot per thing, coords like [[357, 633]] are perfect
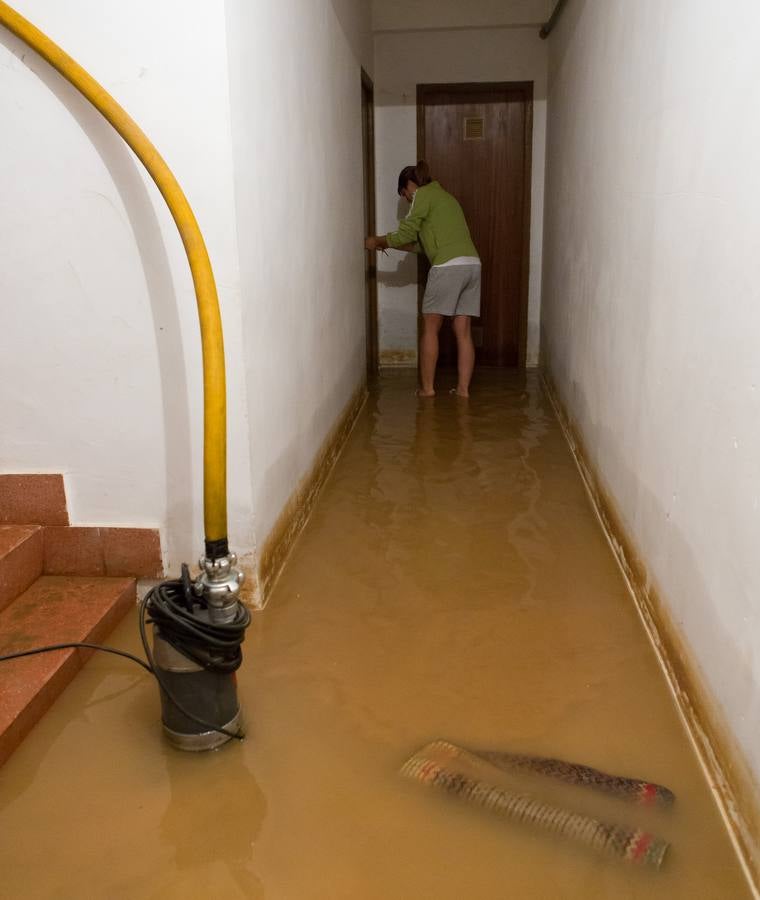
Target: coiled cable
[[173, 606]]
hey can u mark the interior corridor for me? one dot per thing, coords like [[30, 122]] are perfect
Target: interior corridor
[[452, 582]]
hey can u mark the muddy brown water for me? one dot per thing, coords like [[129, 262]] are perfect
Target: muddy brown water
[[452, 582]]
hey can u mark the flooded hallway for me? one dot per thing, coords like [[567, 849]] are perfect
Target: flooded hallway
[[503, 645], [453, 582]]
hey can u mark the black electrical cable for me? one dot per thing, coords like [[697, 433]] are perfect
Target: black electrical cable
[[51, 647], [173, 607], [170, 605]]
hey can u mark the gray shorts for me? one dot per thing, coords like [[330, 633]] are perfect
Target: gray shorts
[[453, 291]]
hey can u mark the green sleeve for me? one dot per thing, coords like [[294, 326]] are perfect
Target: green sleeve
[[409, 228]]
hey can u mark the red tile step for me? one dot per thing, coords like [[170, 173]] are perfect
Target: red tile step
[[76, 550], [40, 501], [33, 500], [55, 609], [21, 560]]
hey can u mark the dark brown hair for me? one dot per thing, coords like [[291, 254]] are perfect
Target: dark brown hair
[[419, 175]]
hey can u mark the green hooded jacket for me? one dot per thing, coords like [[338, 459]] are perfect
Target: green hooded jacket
[[436, 222]]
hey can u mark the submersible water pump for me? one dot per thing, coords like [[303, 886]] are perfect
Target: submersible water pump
[[198, 627]]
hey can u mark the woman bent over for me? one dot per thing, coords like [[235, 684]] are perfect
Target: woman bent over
[[436, 225]]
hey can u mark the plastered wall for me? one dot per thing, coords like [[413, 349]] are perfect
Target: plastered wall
[[650, 315], [298, 184], [100, 361]]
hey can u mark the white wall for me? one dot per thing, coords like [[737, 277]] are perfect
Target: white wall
[[298, 180], [651, 312], [99, 349], [100, 357], [402, 61]]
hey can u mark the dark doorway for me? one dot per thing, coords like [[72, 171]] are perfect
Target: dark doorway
[[477, 141], [370, 267]]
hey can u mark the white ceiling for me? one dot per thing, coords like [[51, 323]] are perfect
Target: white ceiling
[[412, 15]]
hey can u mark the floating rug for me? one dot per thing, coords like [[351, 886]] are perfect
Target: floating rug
[[460, 772]]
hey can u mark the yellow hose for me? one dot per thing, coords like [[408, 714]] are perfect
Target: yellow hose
[[214, 391]]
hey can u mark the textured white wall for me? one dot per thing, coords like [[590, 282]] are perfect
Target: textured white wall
[[402, 61], [296, 101], [100, 359], [651, 312]]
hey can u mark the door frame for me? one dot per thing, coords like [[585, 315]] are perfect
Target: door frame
[[373, 353], [471, 87]]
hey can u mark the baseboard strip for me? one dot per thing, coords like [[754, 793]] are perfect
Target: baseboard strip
[[297, 510]]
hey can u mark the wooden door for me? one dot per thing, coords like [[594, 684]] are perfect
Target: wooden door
[[477, 140], [370, 266]]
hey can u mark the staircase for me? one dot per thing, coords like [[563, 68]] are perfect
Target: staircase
[[58, 583]]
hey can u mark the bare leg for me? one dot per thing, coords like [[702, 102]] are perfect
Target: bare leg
[[429, 352], [465, 354]]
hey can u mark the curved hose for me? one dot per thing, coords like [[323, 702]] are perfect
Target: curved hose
[[214, 391]]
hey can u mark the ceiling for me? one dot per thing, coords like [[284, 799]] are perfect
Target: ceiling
[[423, 15]]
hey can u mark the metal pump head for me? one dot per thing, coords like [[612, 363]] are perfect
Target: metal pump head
[[219, 584]]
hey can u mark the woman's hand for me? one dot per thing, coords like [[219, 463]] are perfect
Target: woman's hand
[[376, 243]]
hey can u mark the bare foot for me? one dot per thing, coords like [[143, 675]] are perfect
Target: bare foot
[[421, 393], [458, 392]]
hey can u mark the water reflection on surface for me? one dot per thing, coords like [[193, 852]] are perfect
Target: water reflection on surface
[[452, 582]]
